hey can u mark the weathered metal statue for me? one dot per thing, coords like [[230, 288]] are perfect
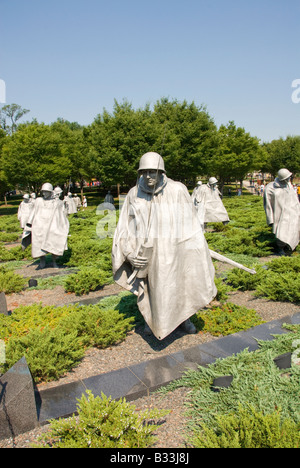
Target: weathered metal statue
[[48, 226], [210, 203], [160, 253], [283, 212], [24, 210]]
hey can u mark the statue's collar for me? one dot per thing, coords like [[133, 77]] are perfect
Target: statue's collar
[[160, 186]]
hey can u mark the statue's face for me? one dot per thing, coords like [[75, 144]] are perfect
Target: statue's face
[[151, 177], [285, 181], [46, 194]]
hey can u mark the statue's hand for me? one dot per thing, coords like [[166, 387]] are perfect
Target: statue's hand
[[137, 262]]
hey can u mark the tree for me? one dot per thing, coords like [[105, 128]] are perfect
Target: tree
[[4, 185], [187, 136], [238, 153], [119, 140], [283, 154], [183, 133], [75, 148], [14, 112], [33, 155]]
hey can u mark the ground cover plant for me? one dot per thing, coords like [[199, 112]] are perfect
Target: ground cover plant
[[104, 423], [278, 280], [261, 408], [54, 339], [226, 319], [247, 232], [11, 282]]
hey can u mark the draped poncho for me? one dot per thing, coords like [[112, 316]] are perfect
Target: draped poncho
[[180, 278], [50, 227], [282, 210], [211, 205]]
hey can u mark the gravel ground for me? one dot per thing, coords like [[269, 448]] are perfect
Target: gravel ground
[[137, 348]]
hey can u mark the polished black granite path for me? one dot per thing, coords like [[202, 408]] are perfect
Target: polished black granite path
[[139, 380]]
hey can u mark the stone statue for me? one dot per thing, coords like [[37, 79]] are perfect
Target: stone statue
[[24, 210], [209, 198], [109, 202], [77, 201], [70, 204], [159, 251], [57, 193], [109, 198], [283, 211], [49, 226], [196, 199]]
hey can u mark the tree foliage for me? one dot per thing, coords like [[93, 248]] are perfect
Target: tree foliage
[[110, 148], [283, 153], [11, 113], [237, 153]]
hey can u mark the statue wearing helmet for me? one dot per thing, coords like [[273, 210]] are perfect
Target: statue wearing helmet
[[47, 227], [282, 210], [210, 205], [159, 251], [70, 204], [24, 210]]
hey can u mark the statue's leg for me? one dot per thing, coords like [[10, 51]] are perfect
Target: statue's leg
[[188, 327], [280, 246], [54, 257], [42, 264]]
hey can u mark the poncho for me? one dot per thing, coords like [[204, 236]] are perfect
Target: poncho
[[211, 204], [282, 209], [50, 227], [24, 211], [180, 278], [70, 204]]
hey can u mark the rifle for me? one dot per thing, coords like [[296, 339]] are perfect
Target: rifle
[[224, 259]]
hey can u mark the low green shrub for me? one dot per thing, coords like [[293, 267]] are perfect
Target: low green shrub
[[9, 236], [242, 280], [86, 280], [10, 282], [257, 382], [249, 428], [104, 423], [247, 232], [54, 339], [284, 287], [226, 319], [15, 253], [278, 280], [49, 352]]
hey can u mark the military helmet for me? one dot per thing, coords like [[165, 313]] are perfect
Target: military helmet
[[284, 174], [47, 187], [58, 190], [151, 161], [212, 181]]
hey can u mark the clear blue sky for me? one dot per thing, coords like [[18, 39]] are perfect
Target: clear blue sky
[[72, 58]]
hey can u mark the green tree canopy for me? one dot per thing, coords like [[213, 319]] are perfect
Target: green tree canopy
[[119, 139], [34, 155], [238, 153], [184, 134], [283, 153], [189, 137], [11, 113]]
